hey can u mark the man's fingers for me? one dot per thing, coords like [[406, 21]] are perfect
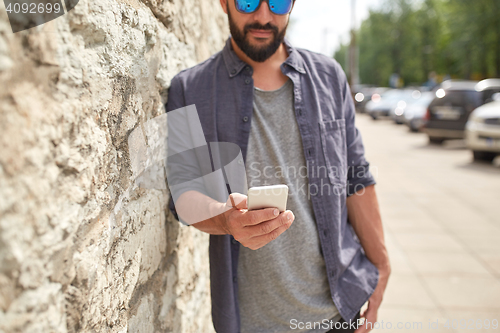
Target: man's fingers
[[370, 316], [267, 227], [260, 241], [255, 217]]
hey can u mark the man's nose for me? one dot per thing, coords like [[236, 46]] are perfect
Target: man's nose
[[264, 14]]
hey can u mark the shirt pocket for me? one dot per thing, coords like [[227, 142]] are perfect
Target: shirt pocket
[[334, 145]]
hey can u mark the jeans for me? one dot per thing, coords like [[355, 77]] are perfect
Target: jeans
[[349, 328]]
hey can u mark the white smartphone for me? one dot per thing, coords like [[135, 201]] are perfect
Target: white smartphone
[[273, 196]]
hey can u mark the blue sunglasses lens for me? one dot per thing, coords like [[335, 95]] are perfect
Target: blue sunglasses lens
[[279, 7], [247, 6]]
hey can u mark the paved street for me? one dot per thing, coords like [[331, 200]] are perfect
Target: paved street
[[441, 214]]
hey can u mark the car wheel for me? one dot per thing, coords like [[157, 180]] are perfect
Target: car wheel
[[483, 156], [435, 140], [412, 126], [374, 117]]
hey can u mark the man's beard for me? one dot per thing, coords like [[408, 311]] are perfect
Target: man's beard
[[257, 54]]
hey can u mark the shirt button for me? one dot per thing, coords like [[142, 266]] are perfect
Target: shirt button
[[247, 81], [234, 241], [235, 279], [325, 232], [245, 119], [233, 71], [300, 112]]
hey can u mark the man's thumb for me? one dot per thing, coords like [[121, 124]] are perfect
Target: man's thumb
[[237, 200]]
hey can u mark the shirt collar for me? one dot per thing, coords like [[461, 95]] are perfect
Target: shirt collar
[[294, 59], [234, 64]]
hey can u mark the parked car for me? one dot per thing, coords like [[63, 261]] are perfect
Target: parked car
[[482, 131], [455, 100], [364, 94], [381, 105], [408, 98], [414, 114]]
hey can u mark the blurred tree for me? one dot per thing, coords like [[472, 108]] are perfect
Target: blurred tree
[[377, 45], [414, 38], [341, 55], [429, 28]]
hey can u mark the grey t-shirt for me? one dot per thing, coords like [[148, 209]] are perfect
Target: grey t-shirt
[[284, 282]]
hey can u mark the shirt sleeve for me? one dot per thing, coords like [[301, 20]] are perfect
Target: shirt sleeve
[[183, 170], [359, 175], [175, 100]]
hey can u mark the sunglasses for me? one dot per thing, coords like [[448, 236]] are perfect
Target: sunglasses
[[278, 7]]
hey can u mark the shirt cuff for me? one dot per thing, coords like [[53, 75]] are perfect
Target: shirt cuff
[[360, 177]]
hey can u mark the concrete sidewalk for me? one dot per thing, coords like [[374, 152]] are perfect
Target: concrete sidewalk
[[441, 214]]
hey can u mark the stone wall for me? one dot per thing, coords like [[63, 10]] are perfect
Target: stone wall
[[83, 246]]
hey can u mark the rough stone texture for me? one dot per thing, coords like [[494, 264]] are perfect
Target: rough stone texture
[[86, 240]]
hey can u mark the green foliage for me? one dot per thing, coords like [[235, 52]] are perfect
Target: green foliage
[[413, 38], [341, 55]]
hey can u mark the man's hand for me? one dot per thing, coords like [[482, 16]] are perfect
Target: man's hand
[[370, 314], [256, 228]]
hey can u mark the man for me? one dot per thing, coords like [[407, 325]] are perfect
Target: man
[[288, 110]]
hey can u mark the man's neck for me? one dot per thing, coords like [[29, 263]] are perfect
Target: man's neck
[[267, 75]]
